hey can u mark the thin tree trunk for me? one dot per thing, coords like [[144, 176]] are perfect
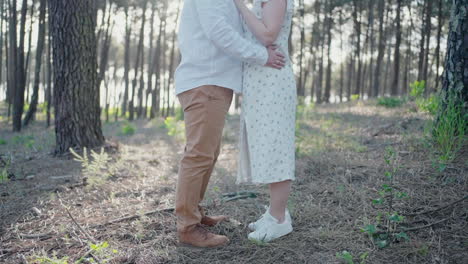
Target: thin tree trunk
[[329, 22], [137, 63], [357, 26], [381, 50], [427, 31], [396, 59], [157, 68], [37, 72], [12, 56], [437, 51], [128, 32]]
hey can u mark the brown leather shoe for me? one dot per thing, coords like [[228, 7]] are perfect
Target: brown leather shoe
[[213, 220], [200, 237]]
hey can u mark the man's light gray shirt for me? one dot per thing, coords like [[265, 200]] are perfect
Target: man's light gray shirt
[[212, 46]]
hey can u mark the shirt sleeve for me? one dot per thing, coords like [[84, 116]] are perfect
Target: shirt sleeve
[[224, 36]]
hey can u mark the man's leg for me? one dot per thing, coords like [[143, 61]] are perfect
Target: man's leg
[[205, 109]]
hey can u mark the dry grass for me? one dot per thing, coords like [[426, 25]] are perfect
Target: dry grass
[[340, 168]]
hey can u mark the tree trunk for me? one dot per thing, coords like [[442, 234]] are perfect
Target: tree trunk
[[132, 104], [155, 93], [37, 72], [381, 50], [76, 97], [455, 79], [427, 31], [128, 33], [396, 58], [150, 57], [329, 23], [12, 56], [357, 27], [300, 84], [18, 100], [437, 51], [422, 45]]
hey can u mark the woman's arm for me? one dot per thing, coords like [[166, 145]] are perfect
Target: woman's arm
[[266, 30]]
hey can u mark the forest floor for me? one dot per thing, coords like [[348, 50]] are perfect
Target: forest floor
[[119, 210]]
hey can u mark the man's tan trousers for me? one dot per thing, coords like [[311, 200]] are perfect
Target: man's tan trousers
[[205, 110]]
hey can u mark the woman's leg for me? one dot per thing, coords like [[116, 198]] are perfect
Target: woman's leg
[[279, 194]]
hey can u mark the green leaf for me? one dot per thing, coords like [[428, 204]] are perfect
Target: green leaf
[[395, 217], [346, 256], [378, 201], [370, 229], [382, 243], [402, 236]]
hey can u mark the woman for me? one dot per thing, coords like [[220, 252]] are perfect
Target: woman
[[268, 117]]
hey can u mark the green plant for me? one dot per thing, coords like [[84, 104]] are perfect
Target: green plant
[[25, 140], [382, 232], [417, 89], [429, 105], [174, 127], [128, 129], [102, 251], [448, 130], [354, 97], [98, 169], [3, 141], [4, 169], [390, 102], [348, 258]]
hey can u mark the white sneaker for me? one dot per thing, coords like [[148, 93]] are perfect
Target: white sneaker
[[257, 224], [271, 229]]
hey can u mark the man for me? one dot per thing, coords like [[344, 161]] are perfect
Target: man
[[212, 48]]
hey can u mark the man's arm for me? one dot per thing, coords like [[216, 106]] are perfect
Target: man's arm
[[224, 36]]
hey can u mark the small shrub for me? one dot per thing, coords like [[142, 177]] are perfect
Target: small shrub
[[417, 89], [3, 141], [390, 102], [175, 128], [128, 130], [429, 105], [98, 169], [449, 128], [354, 97]]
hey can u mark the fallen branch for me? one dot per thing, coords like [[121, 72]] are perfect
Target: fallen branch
[[76, 223], [33, 236], [440, 208], [412, 228], [131, 217]]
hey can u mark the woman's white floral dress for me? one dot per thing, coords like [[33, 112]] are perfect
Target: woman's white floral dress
[[267, 150]]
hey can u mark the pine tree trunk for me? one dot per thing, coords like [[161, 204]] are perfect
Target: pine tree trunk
[[128, 33], [357, 27], [427, 31], [396, 58], [437, 51], [37, 72], [455, 77], [12, 56], [76, 95], [155, 93], [381, 50], [422, 45], [329, 61], [300, 84]]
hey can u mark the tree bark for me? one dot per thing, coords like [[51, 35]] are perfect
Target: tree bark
[[76, 95], [381, 50], [456, 62], [396, 58], [37, 72], [128, 33]]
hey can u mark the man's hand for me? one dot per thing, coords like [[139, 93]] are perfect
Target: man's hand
[[276, 59]]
